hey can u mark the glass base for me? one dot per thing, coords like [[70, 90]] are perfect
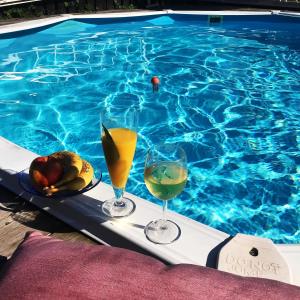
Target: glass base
[[162, 231], [114, 209]]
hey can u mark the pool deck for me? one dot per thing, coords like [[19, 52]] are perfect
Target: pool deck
[[20, 25], [205, 7], [18, 216], [198, 244]]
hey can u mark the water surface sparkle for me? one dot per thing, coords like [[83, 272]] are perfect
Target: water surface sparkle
[[229, 94]]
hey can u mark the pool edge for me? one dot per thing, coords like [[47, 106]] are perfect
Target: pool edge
[[34, 24], [39, 23]]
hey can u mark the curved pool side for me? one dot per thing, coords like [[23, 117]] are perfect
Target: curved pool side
[[197, 241], [28, 26]]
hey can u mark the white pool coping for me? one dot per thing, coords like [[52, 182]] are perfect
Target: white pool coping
[[83, 212], [64, 17], [26, 25]]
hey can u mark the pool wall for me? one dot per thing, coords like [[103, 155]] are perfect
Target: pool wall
[[198, 243], [28, 27], [41, 23]]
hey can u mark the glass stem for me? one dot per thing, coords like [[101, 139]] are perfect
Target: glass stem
[[119, 196], [165, 207]]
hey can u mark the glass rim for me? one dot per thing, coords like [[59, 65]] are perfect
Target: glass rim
[[120, 117], [164, 144], [104, 110], [155, 149]]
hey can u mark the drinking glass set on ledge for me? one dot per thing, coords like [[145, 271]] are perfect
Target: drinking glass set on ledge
[[165, 172]]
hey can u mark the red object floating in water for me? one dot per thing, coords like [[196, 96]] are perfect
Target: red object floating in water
[[155, 83]]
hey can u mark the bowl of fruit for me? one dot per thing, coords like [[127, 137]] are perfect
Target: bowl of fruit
[[62, 173]]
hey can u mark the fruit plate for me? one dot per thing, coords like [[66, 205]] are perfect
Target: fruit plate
[[25, 183]]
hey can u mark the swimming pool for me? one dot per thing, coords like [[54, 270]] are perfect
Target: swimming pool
[[229, 94]]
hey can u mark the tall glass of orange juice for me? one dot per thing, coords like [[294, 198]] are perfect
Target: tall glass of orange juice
[[118, 137]]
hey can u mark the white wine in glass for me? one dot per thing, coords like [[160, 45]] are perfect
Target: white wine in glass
[[165, 177]]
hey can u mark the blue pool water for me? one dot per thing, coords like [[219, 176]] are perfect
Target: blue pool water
[[229, 94]]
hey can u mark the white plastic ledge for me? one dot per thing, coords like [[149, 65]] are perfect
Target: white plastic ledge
[[83, 212], [64, 17]]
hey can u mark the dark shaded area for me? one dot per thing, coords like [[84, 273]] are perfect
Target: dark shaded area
[[28, 214], [3, 259], [33, 10], [228, 4], [212, 257], [37, 218]]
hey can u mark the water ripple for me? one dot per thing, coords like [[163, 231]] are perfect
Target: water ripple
[[229, 94]]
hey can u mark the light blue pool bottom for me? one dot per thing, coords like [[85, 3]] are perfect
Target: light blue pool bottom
[[229, 94]]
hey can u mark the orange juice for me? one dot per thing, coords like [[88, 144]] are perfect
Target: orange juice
[[125, 142]]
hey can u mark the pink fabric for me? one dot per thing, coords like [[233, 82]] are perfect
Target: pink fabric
[[46, 268]]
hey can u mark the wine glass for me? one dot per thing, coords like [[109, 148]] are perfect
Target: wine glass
[[119, 137], [165, 176]]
